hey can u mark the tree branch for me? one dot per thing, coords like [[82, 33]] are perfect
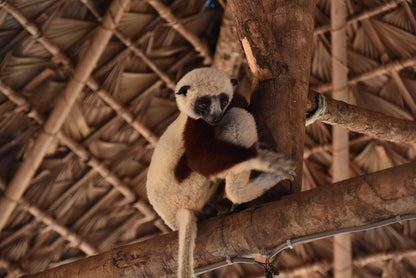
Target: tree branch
[[355, 202], [360, 120]]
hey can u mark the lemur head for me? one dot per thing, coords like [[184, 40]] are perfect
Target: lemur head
[[204, 93]]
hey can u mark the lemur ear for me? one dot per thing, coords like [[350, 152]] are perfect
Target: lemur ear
[[183, 90], [234, 81]]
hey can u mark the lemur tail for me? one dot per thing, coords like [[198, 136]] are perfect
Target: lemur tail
[[186, 220]]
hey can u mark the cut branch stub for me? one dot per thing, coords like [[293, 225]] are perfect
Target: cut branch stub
[[257, 40], [371, 123]]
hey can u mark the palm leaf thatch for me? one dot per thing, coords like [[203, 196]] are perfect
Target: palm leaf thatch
[[86, 190]]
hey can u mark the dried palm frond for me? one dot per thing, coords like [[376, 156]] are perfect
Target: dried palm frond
[[410, 86], [324, 6], [396, 269], [321, 19], [159, 109], [372, 3], [321, 62], [106, 150], [318, 173], [359, 64], [389, 92], [43, 189], [134, 83], [409, 230], [398, 42], [128, 167], [373, 158], [12, 123], [375, 103], [131, 24], [66, 32], [17, 249], [319, 132], [96, 112], [395, 157], [75, 10], [41, 258], [31, 48], [18, 71], [398, 18], [33, 8], [75, 124], [364, 45]]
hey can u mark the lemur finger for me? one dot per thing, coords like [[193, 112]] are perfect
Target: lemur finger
[[284, 165]]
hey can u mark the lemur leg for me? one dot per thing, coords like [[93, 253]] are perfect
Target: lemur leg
[[238, 127], [240, 189]]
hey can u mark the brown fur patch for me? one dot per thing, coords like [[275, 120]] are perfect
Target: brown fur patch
[[208, 155], [182, 170], [238, 101]]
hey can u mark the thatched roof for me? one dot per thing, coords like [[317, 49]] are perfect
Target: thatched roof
[[88, 195]]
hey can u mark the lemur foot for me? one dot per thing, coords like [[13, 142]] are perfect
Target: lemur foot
[[277, 163], [266, 180]]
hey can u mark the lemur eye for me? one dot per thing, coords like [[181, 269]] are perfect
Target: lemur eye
[[203, 105], [224, 100]]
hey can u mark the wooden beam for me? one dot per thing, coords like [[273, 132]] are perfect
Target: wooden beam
[[351, 203], [340, 146], [277, 41]]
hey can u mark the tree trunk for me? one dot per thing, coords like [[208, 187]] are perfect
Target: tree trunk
[[350, 203], [277, 40]]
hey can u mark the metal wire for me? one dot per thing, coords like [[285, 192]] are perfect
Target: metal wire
[[305, 239]]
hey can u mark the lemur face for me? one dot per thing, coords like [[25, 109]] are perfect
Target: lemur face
[[205, 94]]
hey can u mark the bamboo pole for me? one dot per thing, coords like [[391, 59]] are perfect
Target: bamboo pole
[[64, 103], [354, 202], [340, 145], [396, 65], [166, 13]]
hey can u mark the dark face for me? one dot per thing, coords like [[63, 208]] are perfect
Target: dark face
[[211, 108]]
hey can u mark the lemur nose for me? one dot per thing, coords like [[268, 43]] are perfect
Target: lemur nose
[[216, 119]]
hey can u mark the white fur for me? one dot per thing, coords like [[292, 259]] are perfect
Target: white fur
[[203, 81], [176, 202]]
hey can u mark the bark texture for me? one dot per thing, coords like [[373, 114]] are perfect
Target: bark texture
[[228, 54], [374, 124], [277, 40], [349, 203]]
